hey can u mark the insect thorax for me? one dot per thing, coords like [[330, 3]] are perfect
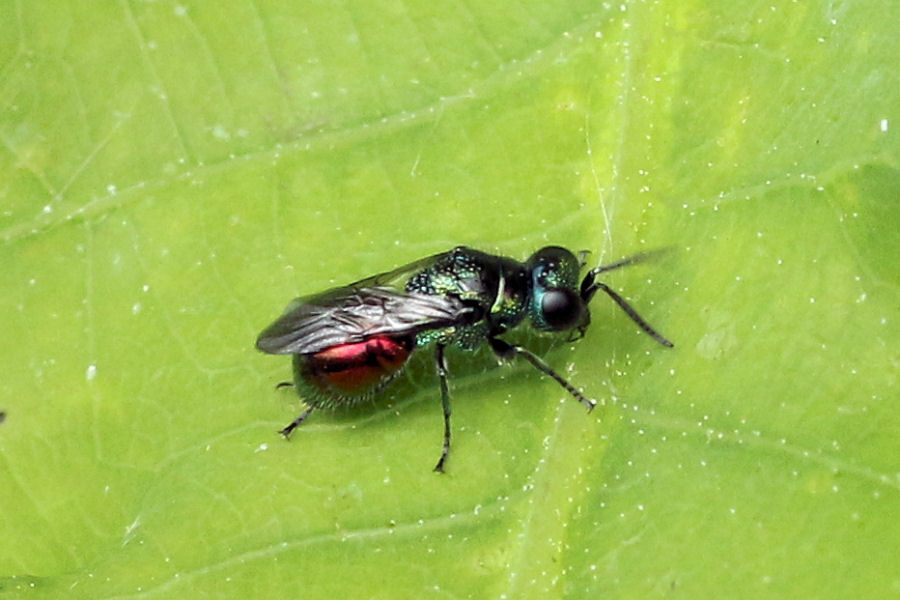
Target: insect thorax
[[498, 285]]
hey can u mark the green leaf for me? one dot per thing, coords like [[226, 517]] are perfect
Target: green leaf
[[172, 174]]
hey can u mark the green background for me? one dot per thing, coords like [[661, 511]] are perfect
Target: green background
[[172, 174]]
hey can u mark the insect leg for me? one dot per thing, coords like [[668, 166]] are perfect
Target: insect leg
[[286, 432], [508, 351], [445, 402]]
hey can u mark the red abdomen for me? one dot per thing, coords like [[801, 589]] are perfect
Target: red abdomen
[[351, 371]]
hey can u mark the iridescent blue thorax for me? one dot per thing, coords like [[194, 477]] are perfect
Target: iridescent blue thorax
[[495, 286]]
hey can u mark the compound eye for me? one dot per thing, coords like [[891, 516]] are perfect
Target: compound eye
[[561, 309]]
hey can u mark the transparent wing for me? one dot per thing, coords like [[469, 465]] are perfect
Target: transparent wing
[[374, 306]]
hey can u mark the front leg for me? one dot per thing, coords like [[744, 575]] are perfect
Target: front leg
[[508, 351]]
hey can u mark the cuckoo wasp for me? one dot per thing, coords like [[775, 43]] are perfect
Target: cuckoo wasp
[[349, 342]]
